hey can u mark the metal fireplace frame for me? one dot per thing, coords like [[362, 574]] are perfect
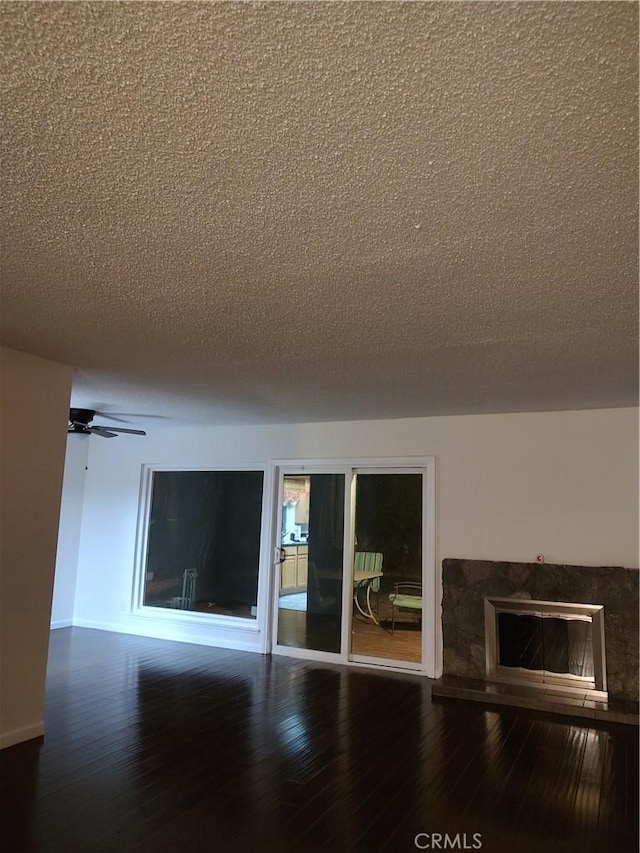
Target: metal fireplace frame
[[593, 688]]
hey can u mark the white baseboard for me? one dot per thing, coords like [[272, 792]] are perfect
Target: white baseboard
[[100, 626], [61, 623], [19, 735], [215, 638]]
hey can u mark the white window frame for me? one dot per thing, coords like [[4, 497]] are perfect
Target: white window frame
[[186, 617]]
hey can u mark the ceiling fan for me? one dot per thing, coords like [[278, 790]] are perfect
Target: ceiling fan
[[80, 422]]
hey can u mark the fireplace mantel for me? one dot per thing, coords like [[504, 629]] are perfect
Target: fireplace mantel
[[466, 584]]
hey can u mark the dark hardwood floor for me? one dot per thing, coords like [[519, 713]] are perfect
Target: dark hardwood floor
[[160, 746]]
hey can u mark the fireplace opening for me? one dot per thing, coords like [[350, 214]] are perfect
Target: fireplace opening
[[539, 643], [545, 643]]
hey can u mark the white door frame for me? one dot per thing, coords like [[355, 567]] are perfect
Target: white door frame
[[431, 615]]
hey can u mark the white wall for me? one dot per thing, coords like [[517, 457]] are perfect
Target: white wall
[[33, 426], [64, 587], [564, 484]]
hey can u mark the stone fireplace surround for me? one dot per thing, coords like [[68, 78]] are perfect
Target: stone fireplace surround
[[466, 583]]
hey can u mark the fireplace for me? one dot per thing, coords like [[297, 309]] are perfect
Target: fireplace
[[546, 644], [611, 591]]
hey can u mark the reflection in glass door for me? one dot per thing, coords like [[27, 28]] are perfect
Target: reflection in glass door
[[387, 620], [311, 557]]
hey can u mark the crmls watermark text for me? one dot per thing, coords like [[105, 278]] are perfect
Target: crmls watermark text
[[444, 841]]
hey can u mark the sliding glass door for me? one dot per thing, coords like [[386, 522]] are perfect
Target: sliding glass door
[[310, 562], [387, 625], [354, 574]]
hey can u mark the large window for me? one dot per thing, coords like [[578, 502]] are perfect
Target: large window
[[203, 547]]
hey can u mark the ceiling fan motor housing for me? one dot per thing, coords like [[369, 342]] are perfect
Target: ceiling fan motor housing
[[82, 416], [79, 420]]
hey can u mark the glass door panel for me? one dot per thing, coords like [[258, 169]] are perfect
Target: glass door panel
[[387, 568], [310, 579]]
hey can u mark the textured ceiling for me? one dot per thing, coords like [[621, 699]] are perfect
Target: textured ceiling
[[313, 211]]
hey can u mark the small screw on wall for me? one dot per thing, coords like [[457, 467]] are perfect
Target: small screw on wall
[[539, 558]]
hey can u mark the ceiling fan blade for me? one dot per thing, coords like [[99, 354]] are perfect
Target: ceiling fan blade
[[105, 433], [121, 429]]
